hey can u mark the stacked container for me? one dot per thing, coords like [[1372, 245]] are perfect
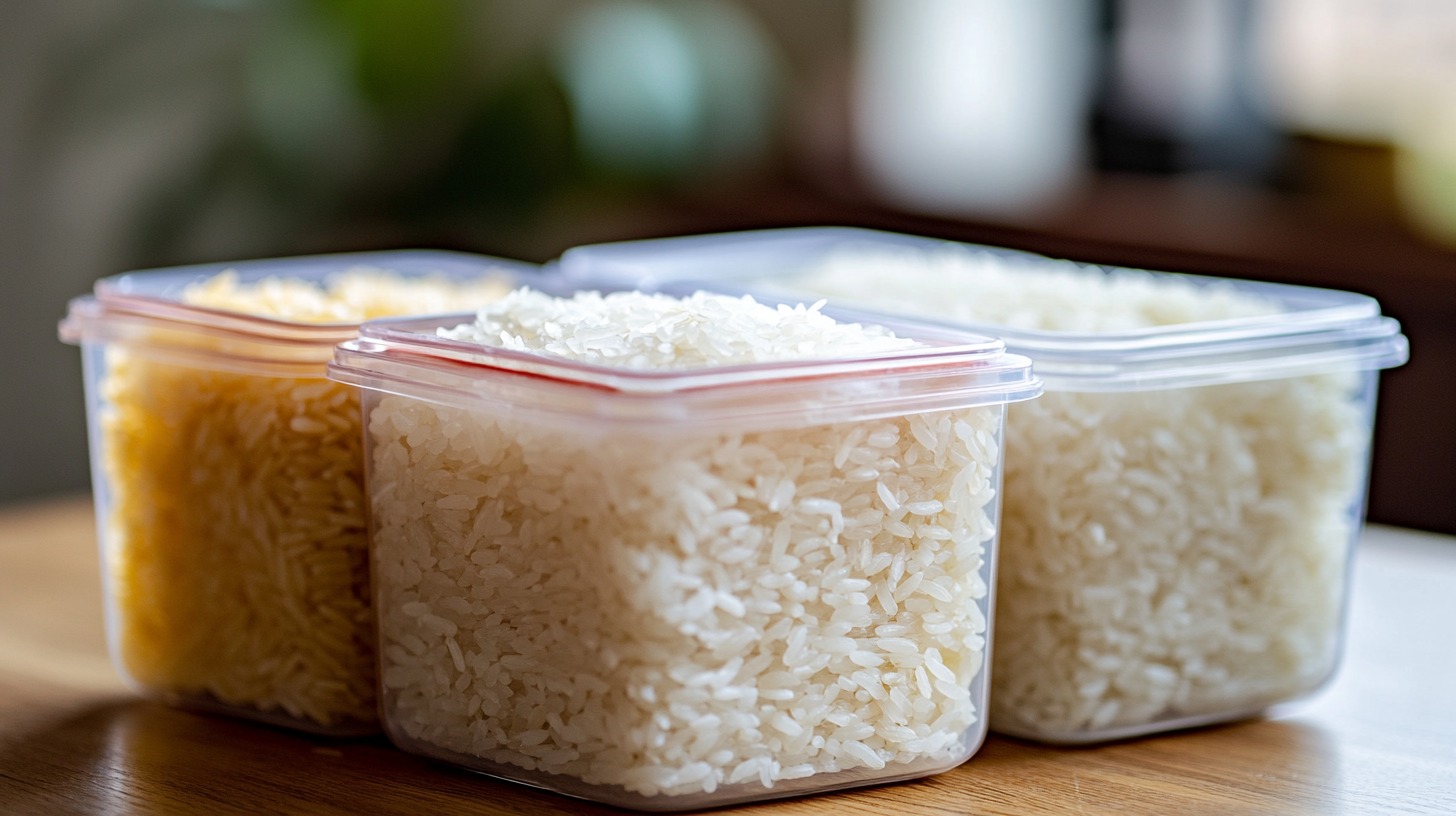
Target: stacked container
[[673, 589], [1180, 507], [228, 476]]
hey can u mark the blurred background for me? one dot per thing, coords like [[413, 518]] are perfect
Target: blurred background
[[1301, 141]]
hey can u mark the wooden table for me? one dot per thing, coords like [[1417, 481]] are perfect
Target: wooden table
[[1381, 739]]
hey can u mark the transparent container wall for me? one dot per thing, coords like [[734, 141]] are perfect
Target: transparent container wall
[[1086, 327], [228, 473], [1176, 557], [1181, 502], [233, 537], [667, 620]]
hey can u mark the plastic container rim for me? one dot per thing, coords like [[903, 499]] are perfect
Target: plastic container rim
[[949, 370], [1315, 326], [142, 310], [155, 293]]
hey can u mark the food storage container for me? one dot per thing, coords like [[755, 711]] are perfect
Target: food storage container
[[228, 475], [1181, 505], [675, 589]]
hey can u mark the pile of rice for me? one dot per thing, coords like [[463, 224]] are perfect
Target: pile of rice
[[359, 293], [1166, 556], [669, 613], [235, 515]]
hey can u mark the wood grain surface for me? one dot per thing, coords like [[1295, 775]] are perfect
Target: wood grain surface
[[75, 740]]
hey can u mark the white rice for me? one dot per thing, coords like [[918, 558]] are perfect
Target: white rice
[[644, 331], [1022, 292], [1167, 556], [670, 614]]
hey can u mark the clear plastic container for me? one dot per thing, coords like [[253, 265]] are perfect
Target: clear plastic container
[[669, 590], [1181, 505], [227, 472]]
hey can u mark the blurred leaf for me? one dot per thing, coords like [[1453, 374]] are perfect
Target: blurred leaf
[[395, 120], [514, 150], [664, 92], [634, 89], [740, 73], [408, 54], [303, 104]]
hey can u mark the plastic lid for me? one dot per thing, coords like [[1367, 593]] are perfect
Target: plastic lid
[[948, 369], [1314, 330], [144, 308]]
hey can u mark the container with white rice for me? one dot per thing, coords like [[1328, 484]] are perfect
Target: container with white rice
[[677, 553], [229, 475], [1179, 507]]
